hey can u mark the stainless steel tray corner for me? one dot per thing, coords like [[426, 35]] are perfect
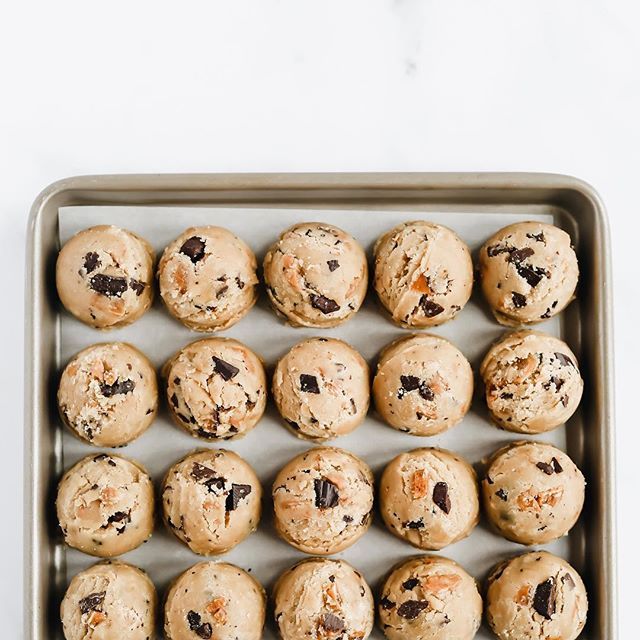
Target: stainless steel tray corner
[[574, 205]]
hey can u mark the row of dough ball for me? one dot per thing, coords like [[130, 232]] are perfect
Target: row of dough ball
[[535, 596], [216, 388], [316, 275], [323, 499]]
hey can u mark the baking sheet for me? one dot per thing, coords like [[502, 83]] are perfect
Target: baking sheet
[[270, 445]]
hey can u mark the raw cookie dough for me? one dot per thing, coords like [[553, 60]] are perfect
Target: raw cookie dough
[[533, 493], [429, 497], [207, 278], [320, 599], [528, 272], [316, 275], [211, 500], [423, 273], [423, 385], [104, 276], [107, 601], [108, 394], [323, 500], [105, 505], [536, 596], [216, 388], [532, 382], [430, 597], [321, 388], [214, 600]]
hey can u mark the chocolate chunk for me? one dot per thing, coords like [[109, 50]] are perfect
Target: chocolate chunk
[[496, 249], [544, 600], [215, 483], [411, 609], [441, 496], [564, 400], [327, 495], [239, 283], [519, 300], [119, 516], [92, 602], [193, 248], [387, 604], [430, 308], [110, 286], [532, 275], [425, 392], [568, 580], [200, 472], [556, 382], [204, 631], [538, 237], [91, 261], [309, 383], [333, 265], [175, 402], [347, 519], [556, 465], [237, 493], [226, 370], [413, 524], [324, 304], [502, 494], [117, 388], [409, 383], [565, 360], [410, 584], [194, 620], [331, 623], [518, 255], [545, 467], [506, 396], [137, 286]]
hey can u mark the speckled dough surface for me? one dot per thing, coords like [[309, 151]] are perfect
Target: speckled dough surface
[[211, 500], [105, 505], [423, 273], [216, 388], [528, 272], [536, 596], [108, 394], [322, 599], [323, 500], [533, 493], [316, 275], [430, 598], [429, 497], [321, 388], [423, 385], [207, 278], [104, 276], [532, 382], [109, 601], [217, 601]]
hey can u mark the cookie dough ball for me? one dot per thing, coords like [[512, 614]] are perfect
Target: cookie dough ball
[[207, 278], [321, 388], [429, 497], [104, 276], [423, 385], [108, 394], [532, 382], [532, 492], [214, 600], [528, 272], [105, 505], [423, 273], [216, 388], [109, 600], [430, 597], [323, 500], [321, 598], [211, 500], [536, 596], [316, 275]]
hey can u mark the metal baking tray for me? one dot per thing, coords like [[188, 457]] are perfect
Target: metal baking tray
[[257, 207]]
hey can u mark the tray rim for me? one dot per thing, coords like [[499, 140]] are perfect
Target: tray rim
[[61, 193]]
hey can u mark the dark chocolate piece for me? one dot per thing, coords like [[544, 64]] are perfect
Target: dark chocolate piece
[[327, 495], [441, 496], [226, 370], [193, 248], [309, 383]]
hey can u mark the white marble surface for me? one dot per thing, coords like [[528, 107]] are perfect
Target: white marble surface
[[276, 85]]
